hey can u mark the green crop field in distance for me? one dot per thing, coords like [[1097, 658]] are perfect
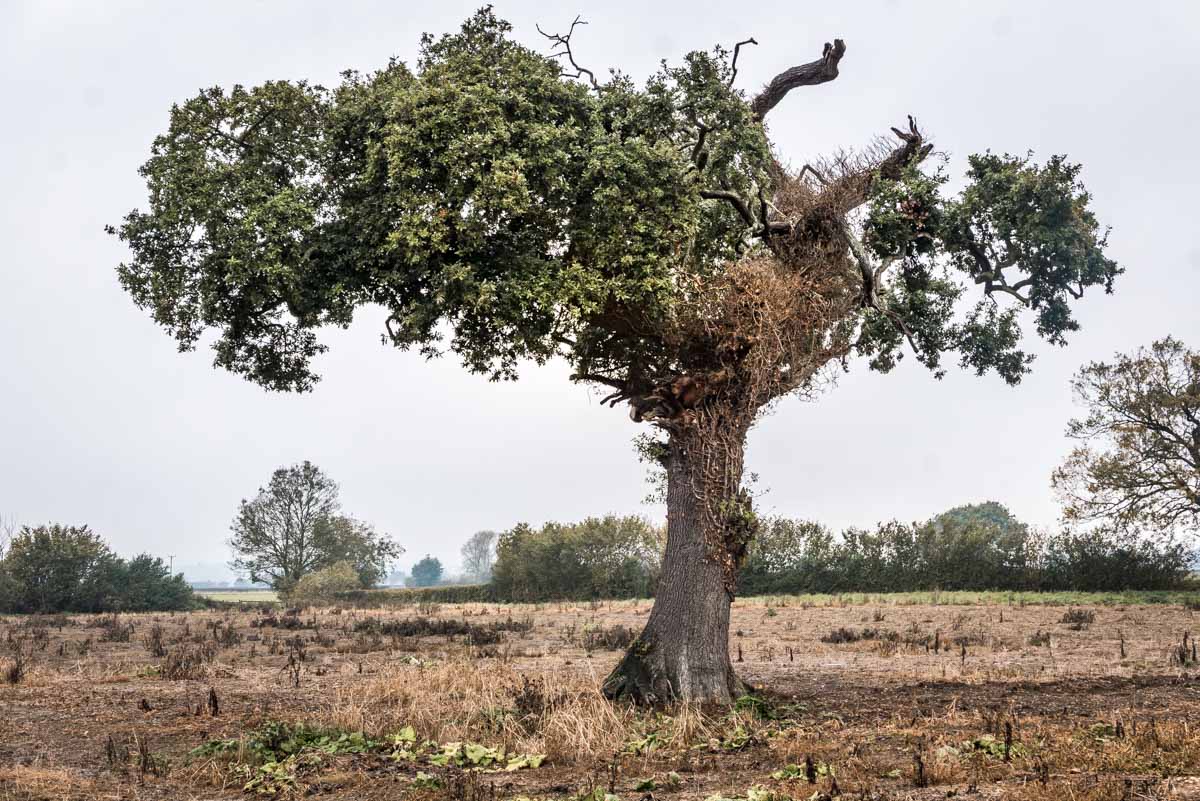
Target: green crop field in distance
[[240, 596]]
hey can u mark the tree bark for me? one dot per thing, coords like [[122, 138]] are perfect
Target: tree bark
[[683, 652]]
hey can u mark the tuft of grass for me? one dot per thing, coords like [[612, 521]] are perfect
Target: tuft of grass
[[845, 635], [1078, 619]]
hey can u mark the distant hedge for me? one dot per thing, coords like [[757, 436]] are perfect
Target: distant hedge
[[976, 547], [448, 594]]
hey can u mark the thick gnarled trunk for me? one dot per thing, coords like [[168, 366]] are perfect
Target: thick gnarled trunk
[[683, 652]]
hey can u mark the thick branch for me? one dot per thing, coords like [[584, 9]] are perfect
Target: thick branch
[[870, 285], [913, 151], [734, 199], [822, 70]]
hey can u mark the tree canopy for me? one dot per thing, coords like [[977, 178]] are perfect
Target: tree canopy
[[57, 568], [293, 527], [522, 208], [1138, 461], [426, 572]]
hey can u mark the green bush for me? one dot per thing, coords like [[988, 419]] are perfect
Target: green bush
[[323, 586], [601, 557], [70, 569], [978, 547], [1106, 560]]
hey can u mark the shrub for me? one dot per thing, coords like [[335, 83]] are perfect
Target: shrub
[[186, 662], [978, 547], [58, 568], [323, 586], [1078, 619], [447, 594], [608, 557]]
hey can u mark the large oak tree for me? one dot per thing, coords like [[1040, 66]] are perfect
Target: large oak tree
[[514, 206]]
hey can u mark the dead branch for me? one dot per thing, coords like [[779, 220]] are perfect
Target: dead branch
[[733, 62], [564, 41], [822, 70]]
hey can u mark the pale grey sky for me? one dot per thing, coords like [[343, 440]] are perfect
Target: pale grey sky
[[102, 422]]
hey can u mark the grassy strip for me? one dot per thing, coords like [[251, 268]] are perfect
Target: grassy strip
[[477, 593], [1189, 598]]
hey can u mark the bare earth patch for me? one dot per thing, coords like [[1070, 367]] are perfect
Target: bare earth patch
[[885, 699]]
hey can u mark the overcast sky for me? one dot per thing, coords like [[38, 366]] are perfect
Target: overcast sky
[[102, 422]]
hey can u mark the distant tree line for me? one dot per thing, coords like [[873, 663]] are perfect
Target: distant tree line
[[977, 547], [57, 568]]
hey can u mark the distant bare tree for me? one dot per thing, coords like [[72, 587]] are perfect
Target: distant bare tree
[[8, 530], [479, 554], [1139, 462]]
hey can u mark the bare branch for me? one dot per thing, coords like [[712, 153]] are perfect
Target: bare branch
[[808, 169], [733, 63], [564, 41], [870, 289], [820, 71], [913, 151]]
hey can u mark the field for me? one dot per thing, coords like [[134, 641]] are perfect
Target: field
[[905, 696], [239, 596]]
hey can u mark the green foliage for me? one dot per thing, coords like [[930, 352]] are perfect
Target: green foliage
[[607, 557], [1102, 559], [70, 569], [369, 553], [489, 196], [145, 584], [272, 757], [1137, 464], [323, 586], [293, 527], [446, 594], [1018, 229], [975, 547], [483, 190], [426, 573]]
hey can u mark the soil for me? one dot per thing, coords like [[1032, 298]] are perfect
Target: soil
[[910, 701]]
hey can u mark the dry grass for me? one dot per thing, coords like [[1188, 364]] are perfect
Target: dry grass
[[34, 783], [917, 709]]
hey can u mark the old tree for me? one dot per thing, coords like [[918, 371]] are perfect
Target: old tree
[[512, 206]]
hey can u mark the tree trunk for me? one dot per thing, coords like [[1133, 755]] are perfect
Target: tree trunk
[[683, 652]]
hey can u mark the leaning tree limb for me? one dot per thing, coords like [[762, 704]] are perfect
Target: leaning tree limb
[[822, 70]]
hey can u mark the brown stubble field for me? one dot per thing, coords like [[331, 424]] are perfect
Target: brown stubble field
[[1015, 701]]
